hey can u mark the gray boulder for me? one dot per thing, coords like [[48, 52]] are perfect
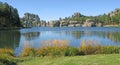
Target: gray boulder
[[89, 23]]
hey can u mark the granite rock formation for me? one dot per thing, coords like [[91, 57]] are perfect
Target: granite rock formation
[[30, 20], [89, 23]]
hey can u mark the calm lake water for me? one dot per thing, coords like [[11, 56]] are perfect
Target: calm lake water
[[16, 39]]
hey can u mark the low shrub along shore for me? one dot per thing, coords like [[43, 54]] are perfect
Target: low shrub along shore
[[58, 49], [98, 59]]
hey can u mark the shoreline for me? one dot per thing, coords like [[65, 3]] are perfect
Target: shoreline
[[12, 28], [111, 25], [17, 28]]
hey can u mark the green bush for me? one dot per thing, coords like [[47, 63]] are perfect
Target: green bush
[[6, 51], [7, 59], [71, 51], [110, 50]]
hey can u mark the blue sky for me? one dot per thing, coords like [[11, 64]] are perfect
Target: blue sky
[[53, 9]]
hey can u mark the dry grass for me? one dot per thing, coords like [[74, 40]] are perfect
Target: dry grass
[[90, 47], [57, 48], [6, 51], [47, 48]]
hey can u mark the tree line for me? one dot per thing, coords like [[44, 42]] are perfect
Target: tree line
[[107, 19], [9, 16]]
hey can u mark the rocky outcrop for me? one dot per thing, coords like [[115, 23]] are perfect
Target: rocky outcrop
[[54, 23], [99, 24], [74, 24], [43, 23], [89, 23], [63, 23], [114, 12], [78, 25], [71, 25], [57, 23], [30, 20]]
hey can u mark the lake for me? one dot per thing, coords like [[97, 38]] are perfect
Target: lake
[[16, 39]]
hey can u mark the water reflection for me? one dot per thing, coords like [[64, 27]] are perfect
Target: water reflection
[[9, 39], [113, 36], [31, 35], [77, 34]]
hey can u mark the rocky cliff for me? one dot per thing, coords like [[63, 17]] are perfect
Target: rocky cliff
[[112, 13], [30, 20], [91, 23]]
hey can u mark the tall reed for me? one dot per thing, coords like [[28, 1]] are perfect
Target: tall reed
[[88, 47], [57, 48]]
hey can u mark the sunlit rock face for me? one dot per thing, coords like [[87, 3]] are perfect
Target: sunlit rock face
[[74, 24], [99, 24], [63, 23], [89, 23], [30, 20], [112, 13]]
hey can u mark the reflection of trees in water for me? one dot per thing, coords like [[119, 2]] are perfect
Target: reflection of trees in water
[[113, 36], [31, 35], [9, 39], [77, 34]]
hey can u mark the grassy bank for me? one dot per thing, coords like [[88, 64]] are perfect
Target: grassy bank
[[58, 52], [111, 59], [102, 59]]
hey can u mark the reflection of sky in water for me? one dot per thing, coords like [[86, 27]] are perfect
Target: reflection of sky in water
[[65, 35], [102, 41], [75, 37]]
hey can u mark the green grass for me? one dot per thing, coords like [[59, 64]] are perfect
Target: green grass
[[109, 59]]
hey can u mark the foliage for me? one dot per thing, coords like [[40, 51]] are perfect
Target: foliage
[[90, 47], [7, 60], [6, 51], [48, 48], [110, 50], [106, 19], [56, 48], [8, 16], [30, 20], [94, 47], [6, 57], [71, 51]]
